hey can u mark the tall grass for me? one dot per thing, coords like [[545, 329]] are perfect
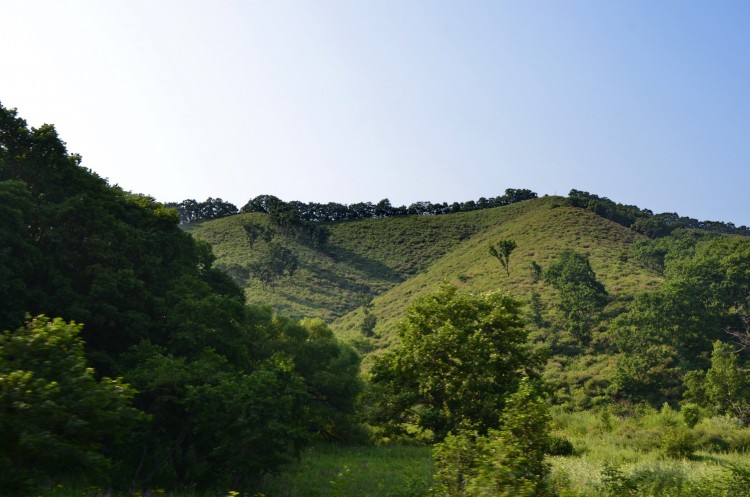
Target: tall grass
[[615, 454], [323, 471], [373, 471], [639, 454]]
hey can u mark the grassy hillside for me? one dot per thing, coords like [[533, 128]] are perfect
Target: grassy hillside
[[542, 229], [395, 260], [363, 258]]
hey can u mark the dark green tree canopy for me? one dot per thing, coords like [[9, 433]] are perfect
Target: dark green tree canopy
[[670, 332], [208, 370], [581, 295]]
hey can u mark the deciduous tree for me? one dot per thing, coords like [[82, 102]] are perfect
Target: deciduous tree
[[56, 418], [460, 356], [502, 253], [581, 295]]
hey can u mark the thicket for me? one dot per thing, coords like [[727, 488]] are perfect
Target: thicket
[[226, 393], [644, 221], [332, 211]]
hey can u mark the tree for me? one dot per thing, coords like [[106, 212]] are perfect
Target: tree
[[663, 335], [502, 252], [581, 295], [255, 231], [668, 333], [330, 372], [159, 313], [56, 418], [275, 262], [460, 356], [726, 385], [20, 259], [508, 462]]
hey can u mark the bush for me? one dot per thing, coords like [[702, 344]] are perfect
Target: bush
[[691, 414], [678, 442], [506, 462], [559, 446], [654, 480], [56, 418]]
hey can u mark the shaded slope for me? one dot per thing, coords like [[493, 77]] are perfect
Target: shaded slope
[[542, 229], [392, 261], [363, 258]]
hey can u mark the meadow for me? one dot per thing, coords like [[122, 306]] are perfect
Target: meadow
[[641, 453]]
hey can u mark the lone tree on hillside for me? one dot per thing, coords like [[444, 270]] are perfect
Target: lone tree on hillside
[[502, 252], [275, 262]]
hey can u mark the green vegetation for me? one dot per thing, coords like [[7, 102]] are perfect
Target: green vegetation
[[506, 462], [56, 416], [268, 352], [460, 357], [502, 253], [220, 393]]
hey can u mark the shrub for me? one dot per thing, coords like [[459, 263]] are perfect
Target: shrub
[[559, 446], [678, 442], [691, 414], [506, 462]]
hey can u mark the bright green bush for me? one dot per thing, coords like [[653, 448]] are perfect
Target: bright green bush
[[678, 442]]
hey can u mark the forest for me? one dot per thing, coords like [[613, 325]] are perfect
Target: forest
[[516, 345]]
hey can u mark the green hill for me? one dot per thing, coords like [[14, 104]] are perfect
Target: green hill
[[542, 229], [391, 261]]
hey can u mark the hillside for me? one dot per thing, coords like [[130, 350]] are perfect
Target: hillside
[[542, 229], [363, 258], [393, 260]]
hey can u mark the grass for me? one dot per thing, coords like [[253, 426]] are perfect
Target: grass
[[614, 455], [395, 260], [323, 471], [372, 471], [619, 452]]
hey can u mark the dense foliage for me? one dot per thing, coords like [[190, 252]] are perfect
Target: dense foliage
[[508, 461], [56, 418], [191, 211], [460, 357], [229, 393], [670, 331], [580, 295], [644, 220], [316, 212]]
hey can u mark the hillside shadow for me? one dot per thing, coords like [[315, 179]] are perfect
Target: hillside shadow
[[371, 269]]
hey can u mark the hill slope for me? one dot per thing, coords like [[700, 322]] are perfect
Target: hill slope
[[542, 229], [393, 260], [362, 259]]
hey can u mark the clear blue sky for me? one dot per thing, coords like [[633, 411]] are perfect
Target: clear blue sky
[[644, 102]]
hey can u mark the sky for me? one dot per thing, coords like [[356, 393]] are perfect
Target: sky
[[646, 103]]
